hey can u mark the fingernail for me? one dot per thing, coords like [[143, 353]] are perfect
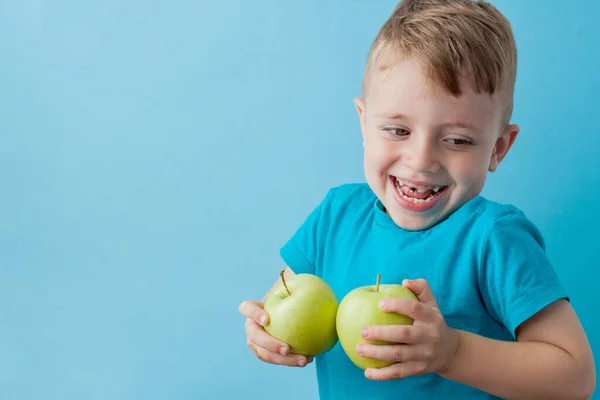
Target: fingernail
[[263, 320], [364, 333], [382, 304], [359, 348], [302, 363], [368, 373], [283, 350]]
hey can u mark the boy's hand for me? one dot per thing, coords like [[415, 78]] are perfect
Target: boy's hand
[[427, 346], [263, 345]]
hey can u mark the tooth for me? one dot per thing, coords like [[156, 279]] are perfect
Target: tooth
[[436, 189], [422, 190]]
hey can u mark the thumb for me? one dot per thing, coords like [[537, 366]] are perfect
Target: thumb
[[421, 289]]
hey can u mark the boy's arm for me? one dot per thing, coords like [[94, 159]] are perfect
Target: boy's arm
[[551, 360]]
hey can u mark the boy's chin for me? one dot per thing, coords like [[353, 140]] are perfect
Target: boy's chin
[[414, 220]]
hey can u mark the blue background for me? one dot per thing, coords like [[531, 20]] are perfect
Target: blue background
[[154, 156]]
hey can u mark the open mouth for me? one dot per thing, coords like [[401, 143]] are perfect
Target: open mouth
[[417, 194]]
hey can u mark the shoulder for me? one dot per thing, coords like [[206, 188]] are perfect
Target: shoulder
[[346, 205], [516, 276], [487, 211], [487, 226], [349, 196], [505, 240], [508, 223], [492, 219], [351, 191]]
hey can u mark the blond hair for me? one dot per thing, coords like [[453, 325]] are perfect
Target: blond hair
[[456, 41]]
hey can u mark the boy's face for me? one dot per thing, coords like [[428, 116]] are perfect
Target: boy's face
[[426, 152]]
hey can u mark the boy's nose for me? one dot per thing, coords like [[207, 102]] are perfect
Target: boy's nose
[[421, 156]]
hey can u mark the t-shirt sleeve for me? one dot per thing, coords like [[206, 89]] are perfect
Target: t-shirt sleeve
[[303, 250], [517, 278]]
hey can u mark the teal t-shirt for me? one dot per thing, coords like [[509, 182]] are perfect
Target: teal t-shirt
[[485, 263]]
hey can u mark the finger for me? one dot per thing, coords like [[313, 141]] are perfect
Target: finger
[[291, 360], [414, 309], [409, 334], [396, 371], [254, 310], [257, 335], [422, 290], [395, 352]]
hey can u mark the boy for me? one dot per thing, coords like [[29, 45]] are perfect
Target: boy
[[492, 318]]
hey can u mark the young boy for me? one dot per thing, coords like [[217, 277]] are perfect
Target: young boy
[[492, 318]]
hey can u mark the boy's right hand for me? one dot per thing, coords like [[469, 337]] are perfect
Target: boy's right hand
[[263, 345]]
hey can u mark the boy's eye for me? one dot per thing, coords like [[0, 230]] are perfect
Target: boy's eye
[[459, 142], [398, 131]]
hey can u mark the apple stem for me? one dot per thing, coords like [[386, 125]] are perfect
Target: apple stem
[[378, 280], [283, 280]]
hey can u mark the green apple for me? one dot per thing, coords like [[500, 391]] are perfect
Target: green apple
[[360, 308], [302, 312]]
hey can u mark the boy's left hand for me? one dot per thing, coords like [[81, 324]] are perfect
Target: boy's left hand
[[426, 346]]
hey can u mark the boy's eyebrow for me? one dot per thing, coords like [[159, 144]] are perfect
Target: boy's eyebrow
[[464, 125], [459, 124], [392, 116]]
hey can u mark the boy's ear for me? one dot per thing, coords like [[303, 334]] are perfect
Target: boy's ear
[[503, 145], [360, 108]]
